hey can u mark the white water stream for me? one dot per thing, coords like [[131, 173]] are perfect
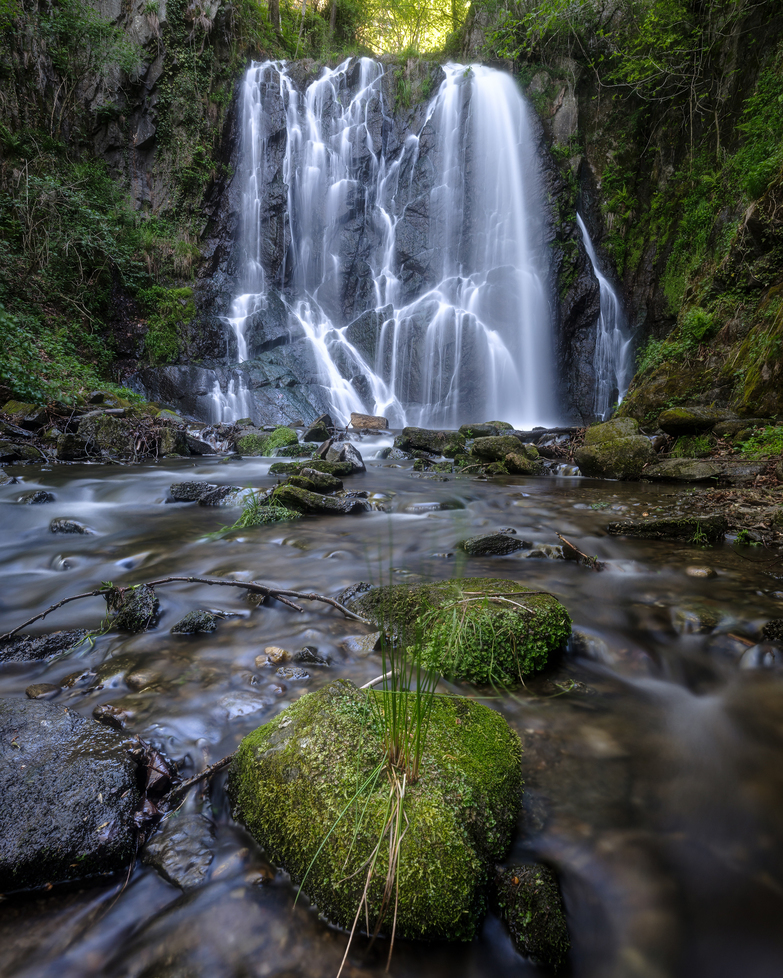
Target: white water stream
[[471, 338], [612, 359]]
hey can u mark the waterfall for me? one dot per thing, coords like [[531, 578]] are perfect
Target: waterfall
[[413, 266], [612, 358]]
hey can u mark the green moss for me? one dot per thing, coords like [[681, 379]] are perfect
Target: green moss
[[172, 310], [318, 464], [323, 758], [483, 630], [692, 446], [251, 444], [280, 438], [690, 529]]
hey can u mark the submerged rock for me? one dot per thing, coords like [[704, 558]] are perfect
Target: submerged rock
[[690, 529], [36, 497], [292, 777], [137, 612], [483, 630], [182, 851], [28, 648], [62, 525], [69, 792], [530, 903], [195, 622]]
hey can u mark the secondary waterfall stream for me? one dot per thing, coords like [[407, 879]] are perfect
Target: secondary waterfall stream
[[414, 267], [612, 359]]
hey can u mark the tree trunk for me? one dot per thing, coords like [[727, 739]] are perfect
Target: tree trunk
[[274, 13], [333, 17]]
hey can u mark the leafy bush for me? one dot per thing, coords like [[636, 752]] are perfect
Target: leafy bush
[[763, 443]]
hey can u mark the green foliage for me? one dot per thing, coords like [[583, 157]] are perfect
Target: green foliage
[[411, 26], [169, 310], [763, 443], [691, 446], [744, 539]]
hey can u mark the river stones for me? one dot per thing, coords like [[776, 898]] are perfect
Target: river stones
[[182, 851], [614, 450], [303, 501], [518, 463], [36, 497], [318, 464], [188, 492], [346, 454], [448, 443], [483, 630], [316, 481], [292, 778], [68, 789], [529, 901], [496, 448], [62, 525], [134, 611], [689, 529]]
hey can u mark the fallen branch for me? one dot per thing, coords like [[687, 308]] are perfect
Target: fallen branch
[[184, 786], [576, 554], [267, 590]]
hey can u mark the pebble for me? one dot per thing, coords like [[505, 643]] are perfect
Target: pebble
[[272, 656], [42, 691], [700, 572]]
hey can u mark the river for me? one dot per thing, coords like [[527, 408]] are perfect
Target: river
[[652, 760]]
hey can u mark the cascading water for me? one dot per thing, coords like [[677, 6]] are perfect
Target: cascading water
[[414, 265], [612, 358]]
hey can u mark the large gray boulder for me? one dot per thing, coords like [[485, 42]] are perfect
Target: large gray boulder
[[68, 789]]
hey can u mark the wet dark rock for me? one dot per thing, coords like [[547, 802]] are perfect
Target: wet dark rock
[[690, 529], [529, 902], [138, 611], [317, 432], [224, 496], [196, 446], [292, 673], [492, 545], [69, 793], [195, 622], [42, 691], [346, 453], [773, 630], [304, 501], [479, 430], [363, 645], [5, 478], [692, 420], [112, 715], [30, 648], [448, 443], [351, 592], [36, 497], [183, 850], [63, 525], [188, 492], [741, 473], [310, 656]]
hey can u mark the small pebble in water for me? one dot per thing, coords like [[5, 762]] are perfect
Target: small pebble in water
[[700, 572]]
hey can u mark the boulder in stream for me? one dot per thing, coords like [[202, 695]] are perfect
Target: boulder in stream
[[483, 630], [194, 623], [689, 529], [303, 501], [448, 443], [529, 901], [496, 544], [69, 792], [30, 648], [135, 610], [292, 777], [614, 450]]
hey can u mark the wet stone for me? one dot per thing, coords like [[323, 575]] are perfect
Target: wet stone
[[363, 645], [69, 793], [492, 545], [36, 497], [272, 656], [195, 622], [773, 630], [689, 529], [765, 655], [309, 655], [188, 492], [138, 612], [68, 526], [530, 904], [28, 648], [703, 572], [182, 851], [42, 691], [292, 673], [111, 715]]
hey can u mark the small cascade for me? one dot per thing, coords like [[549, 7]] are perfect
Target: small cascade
[[413, 266], [612, 358], [234, 402]]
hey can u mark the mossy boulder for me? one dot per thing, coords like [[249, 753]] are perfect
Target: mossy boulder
[[529, 902], [251, 443], [293, 780], [521, 464], [683, 470], [316, 481], [316, 464], [496, 448], [614, 450], [258, 443], [135, 610], [483, 630], [448, 443], [303, 501], [692, 420]]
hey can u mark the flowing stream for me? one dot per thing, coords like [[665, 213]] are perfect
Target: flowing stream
[[652, 759], [612, 359], [415, 271]]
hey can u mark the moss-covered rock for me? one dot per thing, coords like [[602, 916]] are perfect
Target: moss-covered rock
[[692, 420], [690, 529], [194, 623], [279, 438], [495, 448], [258, 443], [683, 470], [316, 481], [614, 450], [317, 464], [521, 464], [530, 903], [251, 444], [294, 778], [448, 443], [304, 501], [483, 630], [135, 610]]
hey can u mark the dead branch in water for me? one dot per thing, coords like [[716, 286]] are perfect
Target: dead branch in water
[[570, 552], [254, 587]]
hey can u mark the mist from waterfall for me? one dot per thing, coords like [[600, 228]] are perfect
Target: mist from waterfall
[[453, 324], [612, 359]]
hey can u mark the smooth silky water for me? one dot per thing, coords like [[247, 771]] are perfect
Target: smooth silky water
[[655, 787]]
